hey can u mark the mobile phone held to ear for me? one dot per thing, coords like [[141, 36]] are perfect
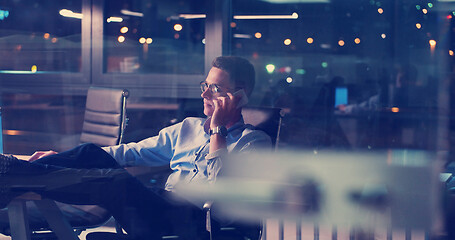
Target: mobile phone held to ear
[[243, 98]]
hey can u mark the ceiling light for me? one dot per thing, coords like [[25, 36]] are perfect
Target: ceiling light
[[241, 17], [70, 14], [247, 17], [131, 13], [114, 19]]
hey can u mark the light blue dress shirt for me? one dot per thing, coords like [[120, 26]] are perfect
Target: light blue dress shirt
[[185, 147]]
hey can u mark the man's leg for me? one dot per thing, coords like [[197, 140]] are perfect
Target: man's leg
[[143, 213], [115, 190], [140, 211], [86, 155]]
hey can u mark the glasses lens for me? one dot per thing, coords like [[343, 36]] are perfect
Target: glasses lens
[[215, 88], [204, 86]]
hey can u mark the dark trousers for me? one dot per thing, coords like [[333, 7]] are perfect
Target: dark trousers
[[89, 175]]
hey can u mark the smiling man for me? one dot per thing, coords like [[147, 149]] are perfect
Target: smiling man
[[194, 149]]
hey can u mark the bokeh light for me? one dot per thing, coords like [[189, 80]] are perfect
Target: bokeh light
[[178, 27], [270, 68], [124, 30], [287, 41], [300, 71]]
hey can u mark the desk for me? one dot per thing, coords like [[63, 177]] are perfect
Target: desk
[[18, 218]]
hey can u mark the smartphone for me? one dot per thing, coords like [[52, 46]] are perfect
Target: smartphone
[[243, 98]]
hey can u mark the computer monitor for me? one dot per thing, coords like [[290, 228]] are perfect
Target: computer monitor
[[341, 96]]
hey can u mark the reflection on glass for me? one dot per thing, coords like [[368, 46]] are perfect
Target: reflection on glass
[[385, 55], [156, 37], [40, 36]]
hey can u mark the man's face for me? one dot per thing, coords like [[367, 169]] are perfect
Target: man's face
[[218, 85]]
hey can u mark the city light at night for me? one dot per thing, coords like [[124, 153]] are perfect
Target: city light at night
[[287, 41], [178, 27], [270, 68], [124, 29]]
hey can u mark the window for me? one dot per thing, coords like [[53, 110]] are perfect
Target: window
[[381, 54], [154, 37], [40, 36]]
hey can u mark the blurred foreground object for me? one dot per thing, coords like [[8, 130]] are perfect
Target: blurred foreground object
[[392, 189]]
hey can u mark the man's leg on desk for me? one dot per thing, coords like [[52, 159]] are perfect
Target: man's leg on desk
[[140, 211]]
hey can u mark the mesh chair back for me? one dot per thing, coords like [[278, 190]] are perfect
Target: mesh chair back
[[265, 119], [105, 116]]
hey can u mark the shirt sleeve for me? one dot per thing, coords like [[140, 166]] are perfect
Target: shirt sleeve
[[153, 151], [251, 142]]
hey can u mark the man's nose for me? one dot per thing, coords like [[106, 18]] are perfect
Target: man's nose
[[206, 93]]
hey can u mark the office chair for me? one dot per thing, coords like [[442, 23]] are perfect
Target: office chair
[[269, 121], [104, 125], [262, 118]]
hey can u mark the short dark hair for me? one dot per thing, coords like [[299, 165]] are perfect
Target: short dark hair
[[241, 71]]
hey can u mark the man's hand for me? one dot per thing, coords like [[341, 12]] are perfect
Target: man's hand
[[341, 107], [225, 110], [41, 154]]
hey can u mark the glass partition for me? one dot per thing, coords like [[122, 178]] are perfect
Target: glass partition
[[348, 74], [352, 75], [154, 37], [40, 36]]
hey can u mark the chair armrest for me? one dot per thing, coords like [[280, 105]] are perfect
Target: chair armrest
[[208, 216], [207, 206]]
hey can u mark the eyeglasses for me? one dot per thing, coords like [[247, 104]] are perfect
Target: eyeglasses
[[213, 87]]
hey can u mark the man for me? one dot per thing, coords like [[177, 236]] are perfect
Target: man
[[194, 149]]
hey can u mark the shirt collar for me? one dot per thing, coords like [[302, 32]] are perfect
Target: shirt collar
[[236, 125]]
